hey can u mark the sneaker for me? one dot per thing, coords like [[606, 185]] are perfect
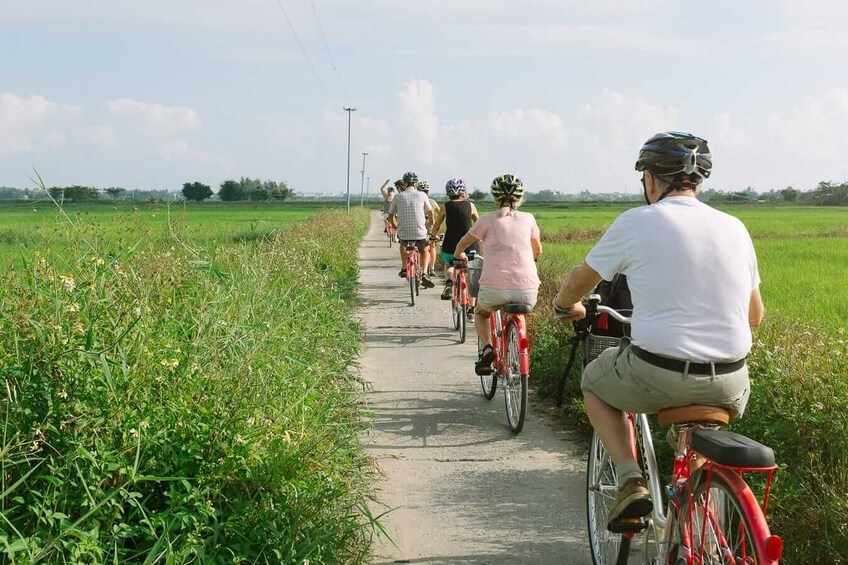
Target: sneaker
[[447, 293], [426, 282], [632, 502], [402, 273], [483, 366]]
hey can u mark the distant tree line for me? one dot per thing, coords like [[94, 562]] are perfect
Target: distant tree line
[[229, 190], [825, 194]]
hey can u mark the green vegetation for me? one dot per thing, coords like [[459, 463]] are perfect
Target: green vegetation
[[799, 364], [176, 387]]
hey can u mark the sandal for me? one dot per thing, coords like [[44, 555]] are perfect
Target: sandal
[[483, 366]]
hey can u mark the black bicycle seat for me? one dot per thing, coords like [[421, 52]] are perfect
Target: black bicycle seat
[[731, 449], [518, 309]]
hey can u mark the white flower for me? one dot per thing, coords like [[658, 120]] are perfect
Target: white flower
[[63, 395], [137, 311], [73, 307], [68, 281], [134, 432]]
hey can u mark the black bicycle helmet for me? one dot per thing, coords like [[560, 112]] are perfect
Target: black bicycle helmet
[[410, 178], [672, 152]]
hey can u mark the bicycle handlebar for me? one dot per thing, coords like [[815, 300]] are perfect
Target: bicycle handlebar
[[593, 308]]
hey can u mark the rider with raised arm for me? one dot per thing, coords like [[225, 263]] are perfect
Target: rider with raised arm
[[511, 245], [458, 215], [388, 196], [410, 212], [693, 278], [424, 186]]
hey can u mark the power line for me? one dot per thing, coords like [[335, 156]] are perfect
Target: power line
[[323, 37], [302, 50]]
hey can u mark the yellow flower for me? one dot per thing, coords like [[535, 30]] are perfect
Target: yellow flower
[[98, 260]]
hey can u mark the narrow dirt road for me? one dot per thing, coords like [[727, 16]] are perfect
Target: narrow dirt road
[[461, 487]]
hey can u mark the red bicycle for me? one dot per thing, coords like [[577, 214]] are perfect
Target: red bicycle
[[511, 341], [460, 299], [711, 515]]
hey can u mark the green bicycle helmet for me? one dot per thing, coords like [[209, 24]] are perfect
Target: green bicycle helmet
[[507, 188]]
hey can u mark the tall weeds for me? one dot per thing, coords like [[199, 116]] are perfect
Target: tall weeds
[[180, 404]]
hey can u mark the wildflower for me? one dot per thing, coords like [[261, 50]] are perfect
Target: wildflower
[[134, 432], [137, 311], [144, 425], [68, 281], [98, 260], [34, 446], [172, 363], [56, 327], [79, 328], [73, 307], [63, 395]]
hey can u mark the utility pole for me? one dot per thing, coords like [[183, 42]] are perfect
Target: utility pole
[[349, 111], [362, 182], [367, 187]]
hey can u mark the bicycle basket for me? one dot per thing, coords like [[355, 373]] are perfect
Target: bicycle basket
[[594, 345], [472, 276]]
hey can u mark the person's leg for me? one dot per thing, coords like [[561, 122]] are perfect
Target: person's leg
[[612, 427], [481, 324], [402, 255]]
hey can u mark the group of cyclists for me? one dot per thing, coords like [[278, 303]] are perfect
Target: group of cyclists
[[692, 273]]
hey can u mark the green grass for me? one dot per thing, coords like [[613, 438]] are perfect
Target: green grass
[[186, 398], [29, 226]]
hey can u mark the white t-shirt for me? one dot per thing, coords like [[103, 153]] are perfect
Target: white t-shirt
[[691, 270]]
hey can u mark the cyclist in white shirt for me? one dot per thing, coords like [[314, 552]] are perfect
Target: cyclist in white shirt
[[693, 277]]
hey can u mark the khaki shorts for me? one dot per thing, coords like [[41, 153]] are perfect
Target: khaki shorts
[[421, 244], [490, 299], [628, 383]]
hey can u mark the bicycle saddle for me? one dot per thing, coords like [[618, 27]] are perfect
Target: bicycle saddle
[[731, 449], [518, 309], [693, 413]]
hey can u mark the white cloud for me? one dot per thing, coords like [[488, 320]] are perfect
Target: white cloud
[[34, 123], [154, 119]]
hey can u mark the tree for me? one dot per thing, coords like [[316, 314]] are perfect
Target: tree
[[115, 192], [196, 191], [230, 191], [74, 193], [789, 194], [477, 195]]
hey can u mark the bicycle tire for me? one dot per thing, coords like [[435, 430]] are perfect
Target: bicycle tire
[[739, 521], [489, 383], [411, 288], [601, 487], [515, 384]]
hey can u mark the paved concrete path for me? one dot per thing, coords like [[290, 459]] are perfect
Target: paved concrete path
[[461, 487]]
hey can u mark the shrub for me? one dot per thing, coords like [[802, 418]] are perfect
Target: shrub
[[178, 405]]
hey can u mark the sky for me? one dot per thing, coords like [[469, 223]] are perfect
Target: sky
[[562, 93]]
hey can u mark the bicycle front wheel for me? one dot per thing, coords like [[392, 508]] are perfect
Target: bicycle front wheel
[[725, 525], [456, 309], [515, 388], [601, 486], [488, 382]]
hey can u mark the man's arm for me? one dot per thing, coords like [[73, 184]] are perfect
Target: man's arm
[[581, 280], [383, 189], [756, 309]]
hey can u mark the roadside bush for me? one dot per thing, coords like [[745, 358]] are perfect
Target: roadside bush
[[182, 405]]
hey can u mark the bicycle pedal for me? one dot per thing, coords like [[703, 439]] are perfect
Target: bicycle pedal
[[627, 525]]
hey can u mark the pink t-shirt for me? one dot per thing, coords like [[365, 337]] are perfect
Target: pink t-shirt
[[508, 257]]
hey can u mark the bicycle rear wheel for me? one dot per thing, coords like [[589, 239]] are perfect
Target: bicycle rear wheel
[[463, 322], [726, 524], [515, 387], [488, 382], [601, 486], [412, 285]]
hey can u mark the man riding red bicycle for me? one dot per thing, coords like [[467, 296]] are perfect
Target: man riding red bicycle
[[410, 211], [692, 273]]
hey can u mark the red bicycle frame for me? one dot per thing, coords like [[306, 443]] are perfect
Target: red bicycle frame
[[499, 340]]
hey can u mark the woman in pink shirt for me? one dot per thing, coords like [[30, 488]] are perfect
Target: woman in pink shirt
[[511, 245]]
